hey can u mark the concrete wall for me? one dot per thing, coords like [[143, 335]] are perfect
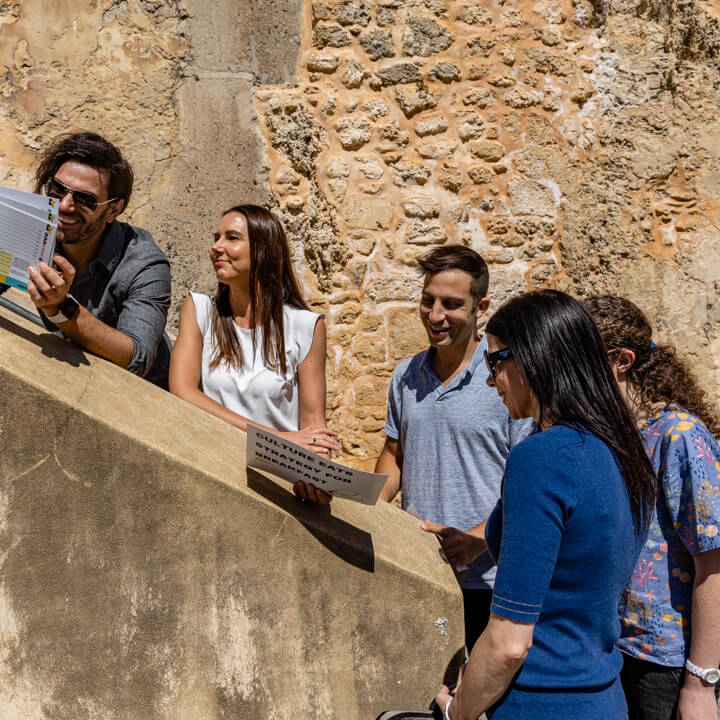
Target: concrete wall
[[144, 574]]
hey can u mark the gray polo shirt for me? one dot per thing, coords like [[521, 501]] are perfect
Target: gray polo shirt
[[127, 286], [455, 441]]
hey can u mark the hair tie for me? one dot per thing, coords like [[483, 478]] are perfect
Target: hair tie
[[652, 345]]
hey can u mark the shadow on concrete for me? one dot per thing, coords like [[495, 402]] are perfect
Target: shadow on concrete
[[349, 543], [453, 668], [51, 345]]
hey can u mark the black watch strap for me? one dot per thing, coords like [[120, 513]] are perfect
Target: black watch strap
[[67, 310]]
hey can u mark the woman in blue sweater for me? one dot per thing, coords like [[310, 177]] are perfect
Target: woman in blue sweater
[[567, 531]]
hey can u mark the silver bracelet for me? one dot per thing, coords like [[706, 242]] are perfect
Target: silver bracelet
[[447, 710]]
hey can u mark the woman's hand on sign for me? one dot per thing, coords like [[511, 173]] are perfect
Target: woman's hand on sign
[[310, 493], [320, 440]]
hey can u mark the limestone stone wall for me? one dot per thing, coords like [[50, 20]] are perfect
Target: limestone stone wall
[[575, 144]]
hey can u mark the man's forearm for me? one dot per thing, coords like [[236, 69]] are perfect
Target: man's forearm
[[94, 335], [391, 487], [390, 463]]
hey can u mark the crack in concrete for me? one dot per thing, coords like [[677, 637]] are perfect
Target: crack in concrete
[[276, 536], [28, 470]]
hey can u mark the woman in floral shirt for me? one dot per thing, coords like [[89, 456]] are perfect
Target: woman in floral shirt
[[671, 608]]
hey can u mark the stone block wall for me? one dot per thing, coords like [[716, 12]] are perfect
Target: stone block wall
[[575, 144], [573, 147]]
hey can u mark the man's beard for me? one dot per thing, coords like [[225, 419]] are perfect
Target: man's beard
[[83, 230]]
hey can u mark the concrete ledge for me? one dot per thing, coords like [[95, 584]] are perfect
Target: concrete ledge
[[145, 574]]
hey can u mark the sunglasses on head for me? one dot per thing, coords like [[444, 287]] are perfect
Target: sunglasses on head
[[55, 189], [493, 358]]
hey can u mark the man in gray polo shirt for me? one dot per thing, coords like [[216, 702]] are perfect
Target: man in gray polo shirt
[[110, 289], [447, 433]]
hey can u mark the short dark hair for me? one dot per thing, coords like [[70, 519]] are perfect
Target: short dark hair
[[89, 149], [558, 347], [458, 257]]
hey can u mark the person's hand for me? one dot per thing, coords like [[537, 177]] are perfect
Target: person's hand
[[697, 701], [320, 440], [310, 493], [47, 287], [442, 698], [459, 548]]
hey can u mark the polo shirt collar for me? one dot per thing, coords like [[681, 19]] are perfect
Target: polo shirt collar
[[477, 358]]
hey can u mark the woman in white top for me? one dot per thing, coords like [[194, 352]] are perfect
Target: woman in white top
[[254, 353]]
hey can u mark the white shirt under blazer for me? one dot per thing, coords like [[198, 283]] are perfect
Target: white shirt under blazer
[[257, 391]]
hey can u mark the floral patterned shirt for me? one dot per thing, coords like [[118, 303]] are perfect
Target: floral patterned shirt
[[655, 608]]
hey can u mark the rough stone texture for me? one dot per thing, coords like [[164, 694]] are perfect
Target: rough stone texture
[[399, 73], [147, 574], [575, 145], [446, 72], [599, 117], [377, 44], [425, 37], [413, 99]]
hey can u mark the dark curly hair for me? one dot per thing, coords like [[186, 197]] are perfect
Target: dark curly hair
[[658, 374], [89, 149]]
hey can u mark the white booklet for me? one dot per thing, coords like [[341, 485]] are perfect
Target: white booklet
[[28, 223], [291, 462]]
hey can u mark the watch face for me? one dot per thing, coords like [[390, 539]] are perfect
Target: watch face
[[712, 676], [69, 307]]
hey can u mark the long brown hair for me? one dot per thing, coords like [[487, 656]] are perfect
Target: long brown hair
[[658, 374], [272, 285]]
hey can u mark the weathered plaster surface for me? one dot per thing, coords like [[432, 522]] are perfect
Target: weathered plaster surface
[[144, 574]]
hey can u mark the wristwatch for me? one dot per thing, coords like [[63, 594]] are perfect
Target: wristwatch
[[67, 310], [711, 676]]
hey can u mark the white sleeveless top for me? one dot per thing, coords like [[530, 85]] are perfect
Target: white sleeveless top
[[256, 391]]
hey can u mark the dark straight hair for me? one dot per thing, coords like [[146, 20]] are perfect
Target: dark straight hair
[[458, 257], [272, 285], [555, 342], [658, 374], [89, 149]]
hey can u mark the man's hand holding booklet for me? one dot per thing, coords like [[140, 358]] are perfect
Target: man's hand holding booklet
[[28, 223]]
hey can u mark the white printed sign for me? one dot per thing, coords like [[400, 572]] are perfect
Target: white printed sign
[[291, 462]]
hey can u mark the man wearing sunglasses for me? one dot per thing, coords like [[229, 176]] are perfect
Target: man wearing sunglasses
[[109, 289], [447, 433]]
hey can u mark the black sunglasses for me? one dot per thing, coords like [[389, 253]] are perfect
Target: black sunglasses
[[493, 358], [55, 189]]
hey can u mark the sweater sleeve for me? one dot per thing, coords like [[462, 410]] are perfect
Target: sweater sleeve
[[536, 503]]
